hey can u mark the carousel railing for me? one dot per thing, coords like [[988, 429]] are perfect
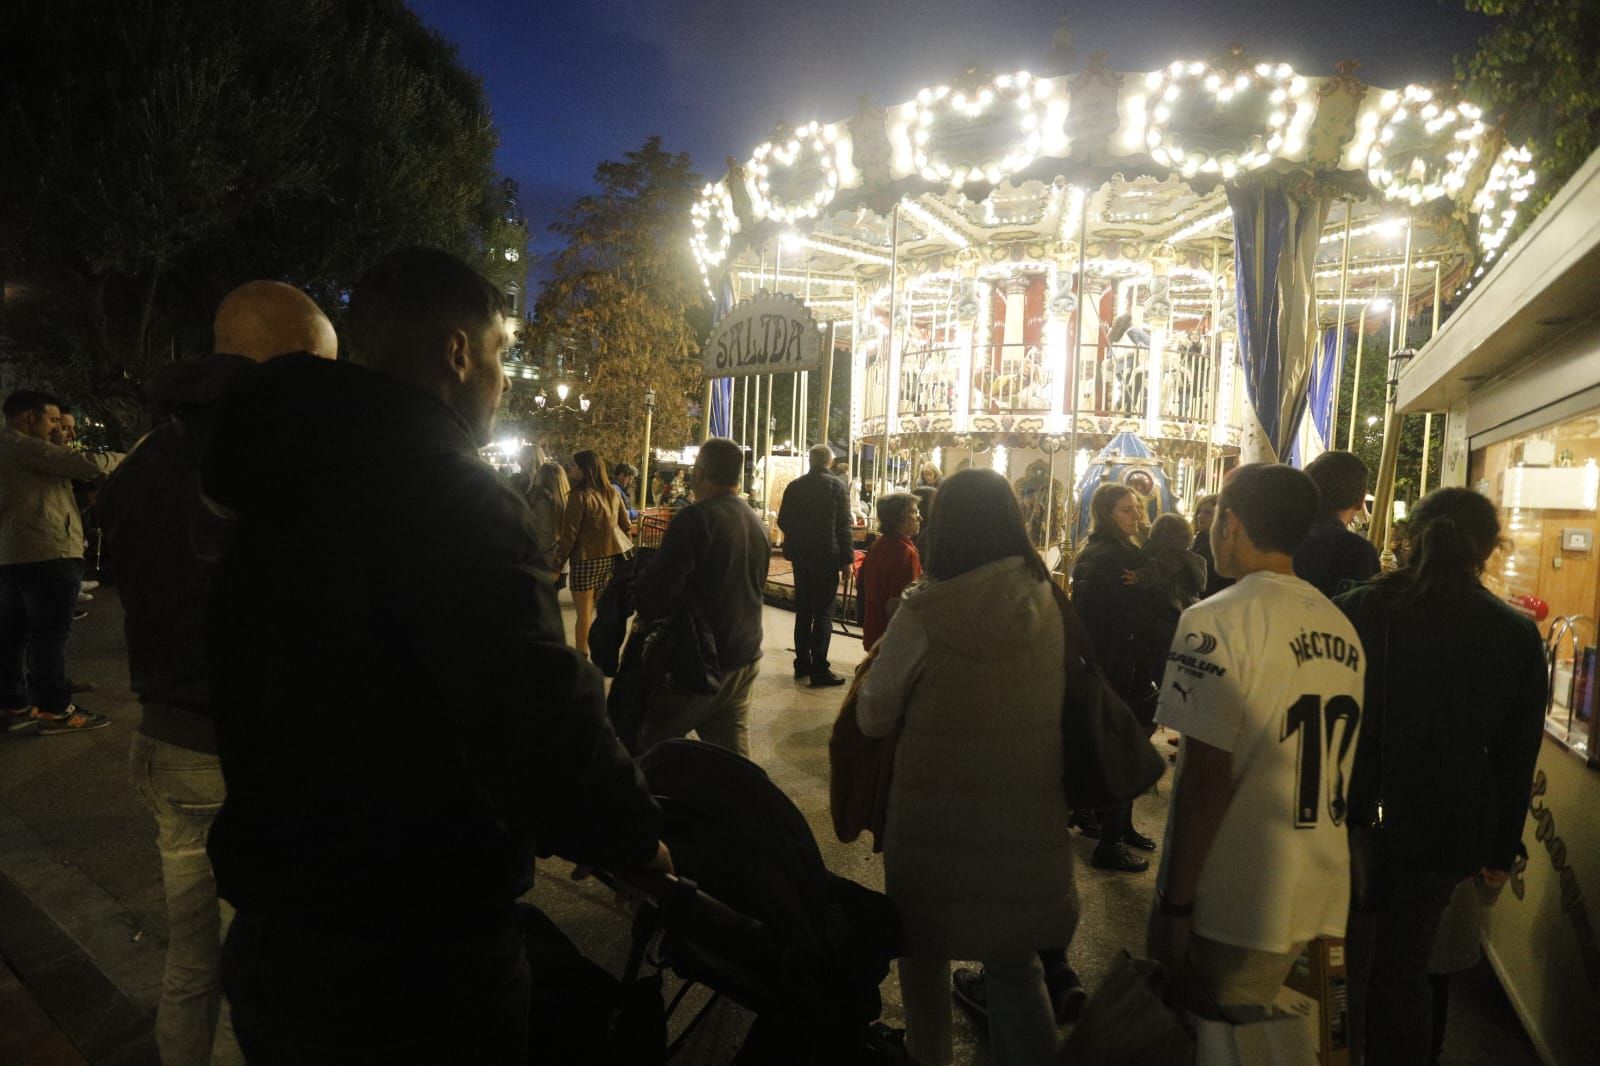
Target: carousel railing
[[1122, 381]]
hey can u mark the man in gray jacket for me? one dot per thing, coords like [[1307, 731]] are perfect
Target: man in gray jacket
[[41, 567]]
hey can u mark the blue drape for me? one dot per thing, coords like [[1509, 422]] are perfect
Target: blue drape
[[1317, 423], [1275, 246], [722, 388]]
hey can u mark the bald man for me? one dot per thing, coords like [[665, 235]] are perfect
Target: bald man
[[162, 539]]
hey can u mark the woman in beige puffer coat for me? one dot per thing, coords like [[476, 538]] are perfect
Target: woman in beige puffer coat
[[978, 856]]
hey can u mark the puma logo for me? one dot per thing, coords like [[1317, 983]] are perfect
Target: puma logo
[[1184, 692]]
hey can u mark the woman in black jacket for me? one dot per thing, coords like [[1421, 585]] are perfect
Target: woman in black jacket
[[1127, 627], [1450, 730]]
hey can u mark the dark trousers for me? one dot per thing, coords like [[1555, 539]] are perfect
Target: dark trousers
[[1391, 999], [1114, 825], [309, 996], [36, 604], [816, 589]]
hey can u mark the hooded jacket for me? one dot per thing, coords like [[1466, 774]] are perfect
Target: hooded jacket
[[977, 853], [162, 539], [401, 726]]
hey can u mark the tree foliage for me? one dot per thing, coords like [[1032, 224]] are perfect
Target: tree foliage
[[159, 152], [625, 304], [1536, 71]]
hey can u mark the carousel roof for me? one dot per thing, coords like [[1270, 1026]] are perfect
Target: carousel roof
[[996, 169]]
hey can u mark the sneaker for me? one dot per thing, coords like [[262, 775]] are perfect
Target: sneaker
[[18, 723], [1085, 822], [1067, 995], [79, 615], [826, 679], [967, 989], [1135, 839], [89, 586], [84, 597], [72, 720], [1117, 858]]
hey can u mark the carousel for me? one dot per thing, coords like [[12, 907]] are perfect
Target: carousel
[[1150, 275]]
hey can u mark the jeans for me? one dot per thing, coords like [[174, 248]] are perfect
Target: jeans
[[721, 718], [1022, 1024], [816, 589], [184, 790], [1387, 952], [312, 994], [36, 605]]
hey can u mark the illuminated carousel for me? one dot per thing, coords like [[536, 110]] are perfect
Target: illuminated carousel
[[1021, 266]]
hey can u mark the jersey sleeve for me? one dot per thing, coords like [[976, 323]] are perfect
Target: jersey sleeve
[[1201, 692]]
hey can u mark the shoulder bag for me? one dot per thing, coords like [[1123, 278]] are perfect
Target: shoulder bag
[[1107, 755]]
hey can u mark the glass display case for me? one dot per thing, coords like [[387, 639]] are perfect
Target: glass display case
[[1546, 484]]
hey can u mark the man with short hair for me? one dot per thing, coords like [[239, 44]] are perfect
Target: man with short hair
[[41, 567], [165, 538], [713, 561], [397, 749], [1264, 682], [815, 519], [623, 475], [1332, 557]]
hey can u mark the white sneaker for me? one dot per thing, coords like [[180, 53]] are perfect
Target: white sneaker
[[84, 597], [88, 586]]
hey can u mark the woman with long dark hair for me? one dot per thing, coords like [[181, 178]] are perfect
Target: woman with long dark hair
[[1131, 634], [1454, 709], [594, 535], [977, 854]]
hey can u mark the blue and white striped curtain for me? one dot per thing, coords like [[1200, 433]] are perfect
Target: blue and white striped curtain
[[1276, 229], [722, 388], [1316, 425]]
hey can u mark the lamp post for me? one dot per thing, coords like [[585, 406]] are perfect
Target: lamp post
[[644, 460]]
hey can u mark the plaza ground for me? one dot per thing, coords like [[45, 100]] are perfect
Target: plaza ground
[[82, 927]]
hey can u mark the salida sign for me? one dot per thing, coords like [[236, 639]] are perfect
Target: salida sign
[[766, 334]]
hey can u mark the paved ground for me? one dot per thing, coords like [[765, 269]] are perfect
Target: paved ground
[[81, 922]]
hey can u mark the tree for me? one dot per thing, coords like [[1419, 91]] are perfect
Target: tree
[[625, 303], [160, 152], [1535, 72]]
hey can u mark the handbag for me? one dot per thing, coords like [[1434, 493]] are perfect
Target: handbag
[[1107, 755], [859, 769], [1127, 1021]]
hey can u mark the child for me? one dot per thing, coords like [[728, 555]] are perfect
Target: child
[[1167, 563], [891, 564]]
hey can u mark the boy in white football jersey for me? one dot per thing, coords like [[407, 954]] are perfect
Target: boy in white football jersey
[[1264, 682]]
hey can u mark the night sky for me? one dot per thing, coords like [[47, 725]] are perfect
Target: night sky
[[572, 83]]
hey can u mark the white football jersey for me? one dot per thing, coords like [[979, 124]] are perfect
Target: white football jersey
[[1271, 671]]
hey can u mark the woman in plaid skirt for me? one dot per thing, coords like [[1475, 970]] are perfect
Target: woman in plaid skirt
[[594, 535]]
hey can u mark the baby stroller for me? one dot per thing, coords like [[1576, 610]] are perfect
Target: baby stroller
[[755, 916]]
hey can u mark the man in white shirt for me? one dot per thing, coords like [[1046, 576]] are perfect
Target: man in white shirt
[[1264, 681]]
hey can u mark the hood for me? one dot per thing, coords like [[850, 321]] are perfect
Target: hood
[[303, 437], [985, 613]]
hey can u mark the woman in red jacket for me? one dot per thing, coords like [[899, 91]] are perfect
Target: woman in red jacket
[[891, 564]]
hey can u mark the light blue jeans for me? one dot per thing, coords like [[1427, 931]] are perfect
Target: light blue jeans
[[184, 790]]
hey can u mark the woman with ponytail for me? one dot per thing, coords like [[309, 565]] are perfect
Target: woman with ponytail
[[1450, 730]]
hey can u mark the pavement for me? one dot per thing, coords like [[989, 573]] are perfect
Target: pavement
[[82, 927]]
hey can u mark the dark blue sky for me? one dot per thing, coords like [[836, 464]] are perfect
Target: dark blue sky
[[577, 82]]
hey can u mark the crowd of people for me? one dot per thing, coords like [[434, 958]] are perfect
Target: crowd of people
[[362, 719]]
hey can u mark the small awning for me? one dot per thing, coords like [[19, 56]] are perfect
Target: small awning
[[1543, 286]]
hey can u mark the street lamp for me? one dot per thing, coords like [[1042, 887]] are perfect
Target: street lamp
[[644, 462]]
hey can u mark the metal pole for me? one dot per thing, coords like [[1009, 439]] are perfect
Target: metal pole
[[705, 412], [1427, 418], [1393, 420], [1073, 373], [1355, 384], [1216, 363], [882, 463], [1338, 344], [826, 384], [644, 458]]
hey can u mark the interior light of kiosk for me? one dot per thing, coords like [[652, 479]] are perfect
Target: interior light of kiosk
[[1591, 485]]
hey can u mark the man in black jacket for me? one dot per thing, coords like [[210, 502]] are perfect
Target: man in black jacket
[[1331, 557], [714, 561], [162, 540], [815, 519], [401, 725]]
